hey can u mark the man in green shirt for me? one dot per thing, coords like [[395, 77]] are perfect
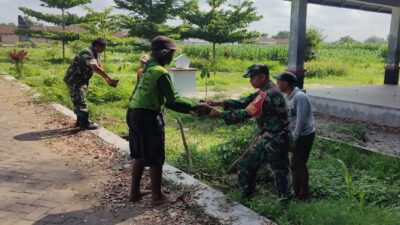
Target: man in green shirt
[[153, 91], [77, 79]]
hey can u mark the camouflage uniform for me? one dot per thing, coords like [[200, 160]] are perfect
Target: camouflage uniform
[[77, 79], [272, 145]]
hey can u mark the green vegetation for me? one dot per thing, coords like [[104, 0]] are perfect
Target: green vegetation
[[347, 186], [147, 19], [63, 19]]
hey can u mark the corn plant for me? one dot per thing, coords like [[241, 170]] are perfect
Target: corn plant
[[347, 178]]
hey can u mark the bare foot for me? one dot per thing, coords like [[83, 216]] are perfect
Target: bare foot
[[164, 199], [138, 197]]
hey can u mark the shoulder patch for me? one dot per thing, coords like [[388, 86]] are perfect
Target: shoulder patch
[[255, 107]]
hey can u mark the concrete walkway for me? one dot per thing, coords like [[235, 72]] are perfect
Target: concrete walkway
[[52, 175], [378, 104]]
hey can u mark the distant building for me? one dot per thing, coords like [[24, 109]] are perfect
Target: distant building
[[271, 41], [194, 41], [7, 34]]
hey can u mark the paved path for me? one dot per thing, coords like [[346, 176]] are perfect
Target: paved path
[[52, 175], [369, 136]]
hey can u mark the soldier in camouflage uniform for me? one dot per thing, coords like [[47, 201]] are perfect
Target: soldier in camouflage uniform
[[77, 79], [269, 108]]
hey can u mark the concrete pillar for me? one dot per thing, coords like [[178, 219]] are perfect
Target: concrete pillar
[[24, 26], [393, 57], [298, 39]]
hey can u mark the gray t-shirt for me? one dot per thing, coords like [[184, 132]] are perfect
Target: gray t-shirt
[[300, 114]]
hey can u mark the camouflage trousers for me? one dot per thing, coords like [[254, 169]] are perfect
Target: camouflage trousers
[[78, 94], [264, 151]]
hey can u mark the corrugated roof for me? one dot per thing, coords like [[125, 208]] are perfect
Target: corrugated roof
[[380, 6]]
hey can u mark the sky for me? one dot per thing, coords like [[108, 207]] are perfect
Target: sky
[[334, 22]]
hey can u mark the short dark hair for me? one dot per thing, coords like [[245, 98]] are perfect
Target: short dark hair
[[99, 42]]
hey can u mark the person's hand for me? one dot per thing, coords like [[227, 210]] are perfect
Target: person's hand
[[215, 112], [193, 113], [112, 82], [201, 109], [215, 103], [202, 106]]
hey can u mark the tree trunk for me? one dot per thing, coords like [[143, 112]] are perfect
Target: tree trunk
[[205, 95], [63, 27], [213, 60]]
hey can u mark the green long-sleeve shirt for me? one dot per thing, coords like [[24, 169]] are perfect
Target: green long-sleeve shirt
[[155, 88]]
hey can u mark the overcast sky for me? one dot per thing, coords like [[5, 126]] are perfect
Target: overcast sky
[[334, 22]]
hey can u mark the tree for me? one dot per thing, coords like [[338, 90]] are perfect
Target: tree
[[346, 40], [221, 24], [282, 35], [147, 18], [375, 40], [314, 39], [103, 24], [30, 22], [64, 19]]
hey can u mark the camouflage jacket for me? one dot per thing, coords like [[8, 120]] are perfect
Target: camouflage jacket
[[80, 72], [272, 115]]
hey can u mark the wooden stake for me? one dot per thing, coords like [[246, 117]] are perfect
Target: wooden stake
[[234, 164], [185, 146]]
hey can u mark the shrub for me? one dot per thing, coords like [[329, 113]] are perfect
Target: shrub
[[100, 93], [314, 40], [384, 52], [320, 69], [77, 46], [18, 58]]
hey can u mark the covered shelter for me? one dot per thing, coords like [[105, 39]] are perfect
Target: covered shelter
[[298, 32], [376, 103]]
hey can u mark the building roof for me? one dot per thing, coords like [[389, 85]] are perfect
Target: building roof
[[380, 6], [266, 40]]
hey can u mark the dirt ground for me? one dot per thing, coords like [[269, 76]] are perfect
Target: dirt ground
[[52, 174]]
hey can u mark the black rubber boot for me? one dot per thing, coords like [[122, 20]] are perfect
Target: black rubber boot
[[85, 124], [78, 122]]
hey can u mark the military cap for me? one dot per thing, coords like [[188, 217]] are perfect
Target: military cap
[[287, 76], [257, 69]]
